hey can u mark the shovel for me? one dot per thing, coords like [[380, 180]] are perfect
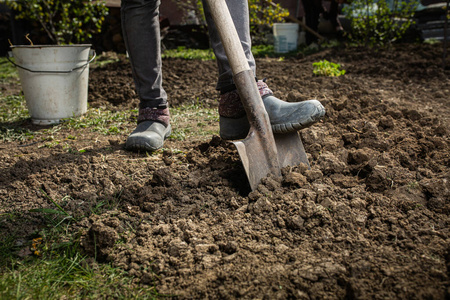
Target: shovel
[[261, 152]]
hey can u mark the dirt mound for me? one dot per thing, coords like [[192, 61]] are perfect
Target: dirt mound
[[370, 219]]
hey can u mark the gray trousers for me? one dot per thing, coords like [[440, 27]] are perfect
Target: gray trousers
[[140, 25]]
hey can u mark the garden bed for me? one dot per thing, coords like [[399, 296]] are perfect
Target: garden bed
[[370, 220]]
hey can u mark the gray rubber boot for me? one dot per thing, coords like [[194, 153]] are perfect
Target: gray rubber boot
[[148, 136], [284, 117]]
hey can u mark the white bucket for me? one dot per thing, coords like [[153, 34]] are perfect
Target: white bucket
[[54, 80], [285, 37]]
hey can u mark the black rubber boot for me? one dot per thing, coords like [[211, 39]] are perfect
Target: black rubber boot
[[284, 117], [148, 136]]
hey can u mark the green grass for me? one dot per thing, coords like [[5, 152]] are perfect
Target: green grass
[[51, 264], [187, 120], [208, 54], [67, 274], [193, 120], [327, 68], [264, 51], [12, 109], [7, 70], [102, 121], [12, 112], [186, 53]]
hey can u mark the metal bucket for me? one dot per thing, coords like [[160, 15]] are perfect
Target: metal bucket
[[54, 80]]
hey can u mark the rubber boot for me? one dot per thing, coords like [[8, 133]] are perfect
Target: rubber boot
[[284, 117], [148, 136], [152, 129]]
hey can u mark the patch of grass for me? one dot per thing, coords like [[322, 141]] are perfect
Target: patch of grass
[[12, 133], [302, 50], [68, 274], [113, 123], [106, 58], [13, 111], [186, 53], [261, 51], [208, 54], [52, 265], [102, 121], [182, 118], [432, 41], [7, 247], [7, 70]]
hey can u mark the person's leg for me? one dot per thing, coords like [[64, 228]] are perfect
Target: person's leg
[[312, 9], [241, 18], [140, 25], [334, 17], [284, 117]]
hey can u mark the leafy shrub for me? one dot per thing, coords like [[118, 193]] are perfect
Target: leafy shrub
[[262, 13], [262, 16], [64, 21], [326, 68], [379, 22]]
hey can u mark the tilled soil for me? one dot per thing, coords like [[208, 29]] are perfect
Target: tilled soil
[[369, 220]]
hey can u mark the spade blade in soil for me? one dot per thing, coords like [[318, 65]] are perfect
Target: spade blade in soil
[[257, 164], [290, 149], [255, 160]]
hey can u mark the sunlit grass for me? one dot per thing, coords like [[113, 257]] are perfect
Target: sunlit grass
[[67, 276], [50, 263], [208, 54], [12, 109], [7, 70], [194, 119], [186, 53], [102, 121], [187, 120]]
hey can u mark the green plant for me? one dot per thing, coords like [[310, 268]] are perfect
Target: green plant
[[326, 68], [64, 21], [377, 23]]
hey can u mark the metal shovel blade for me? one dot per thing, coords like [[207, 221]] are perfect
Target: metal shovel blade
[[258, 151], [290, 152], [262, 152], [290, 149], [253, 159]]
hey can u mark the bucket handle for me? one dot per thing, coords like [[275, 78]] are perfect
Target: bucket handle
[[91, 53]]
